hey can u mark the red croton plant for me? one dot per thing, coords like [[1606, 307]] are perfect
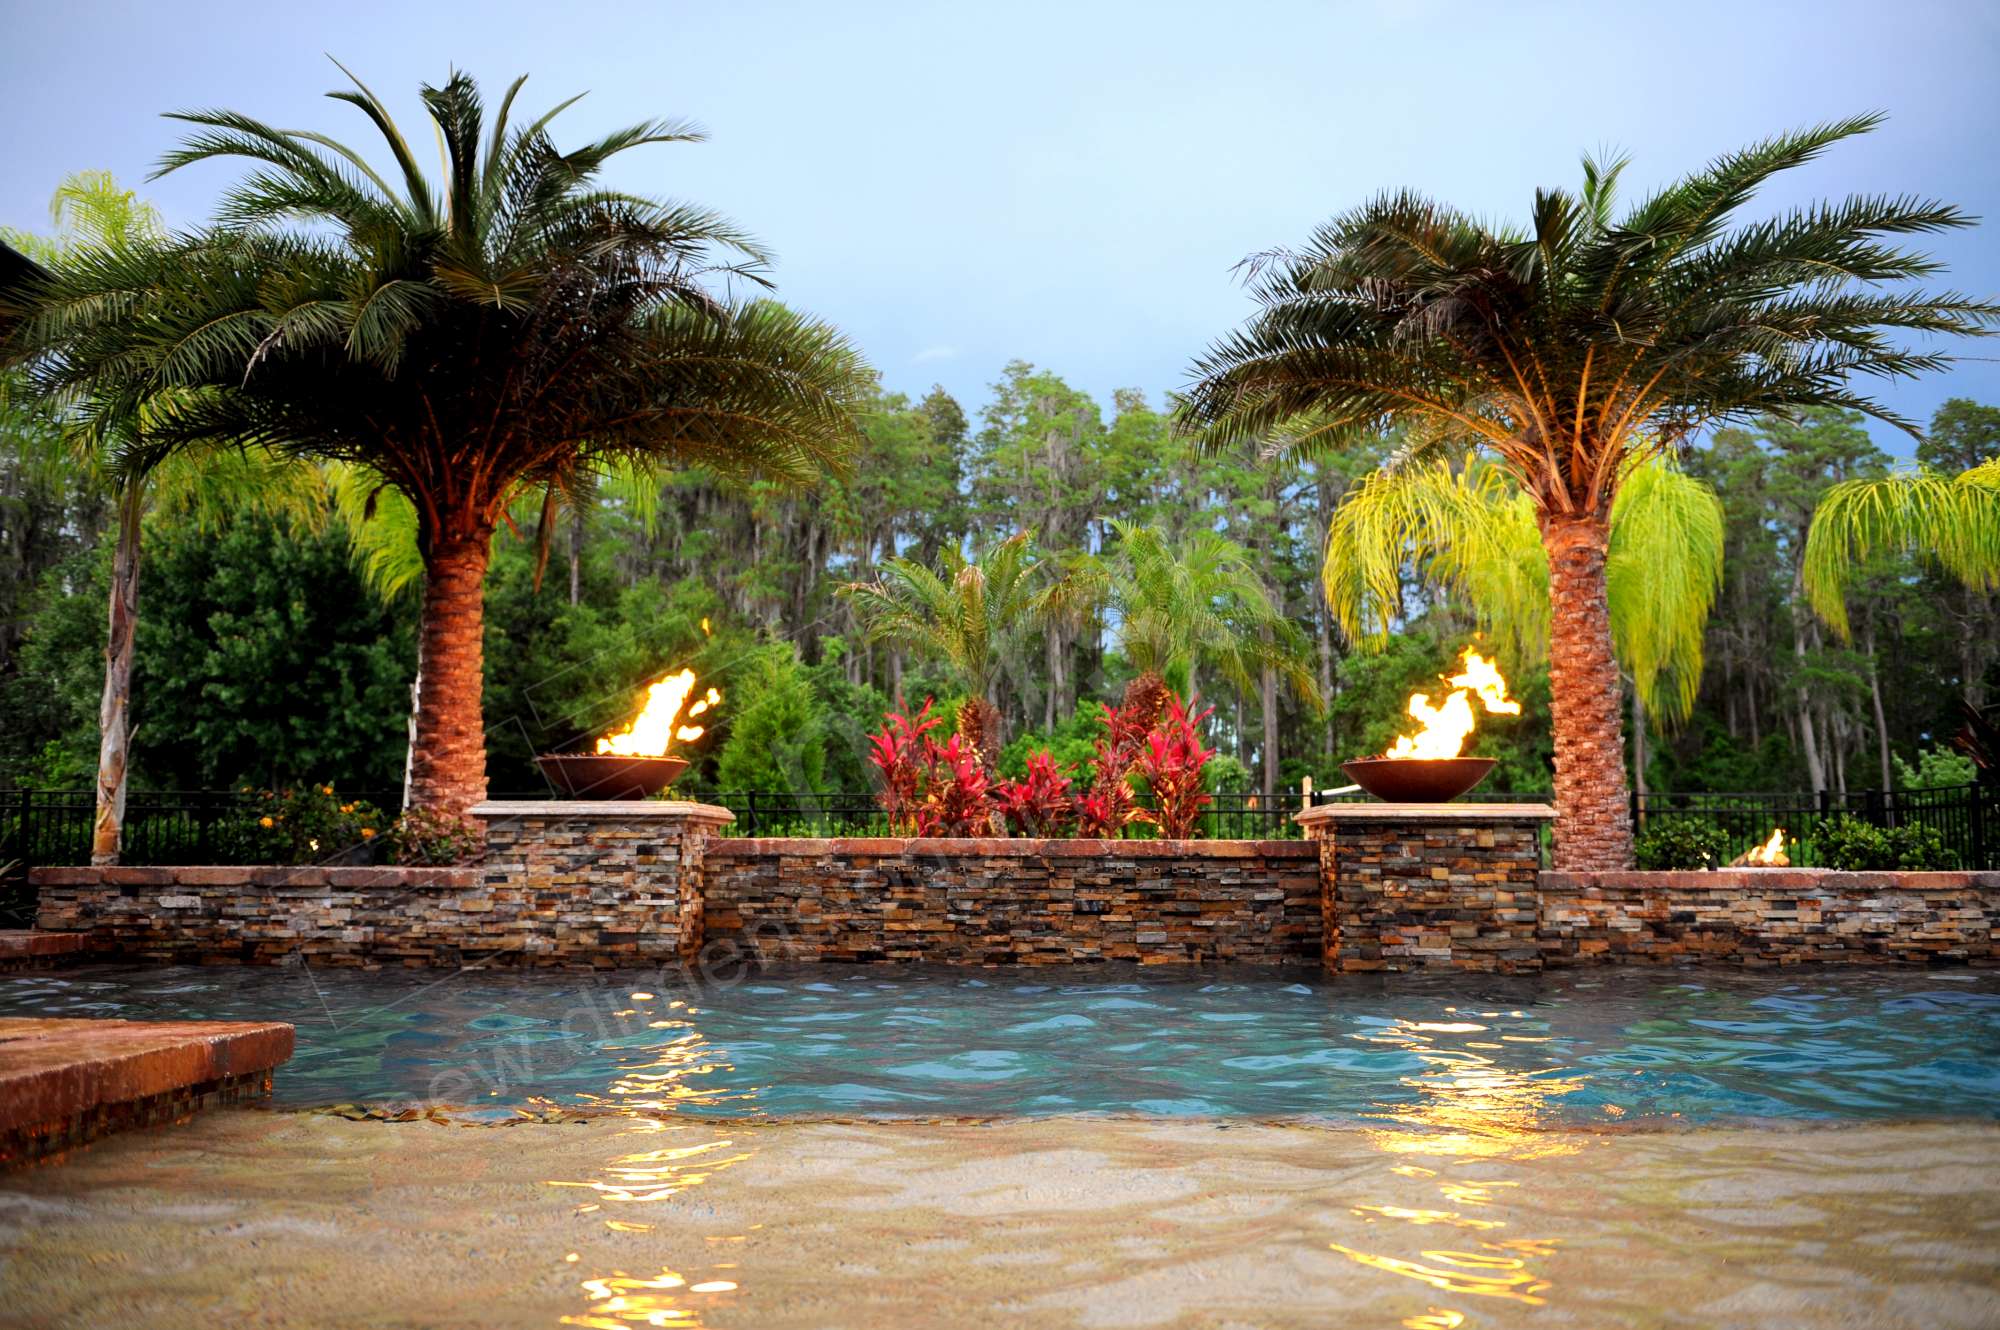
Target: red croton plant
[[944, 789]]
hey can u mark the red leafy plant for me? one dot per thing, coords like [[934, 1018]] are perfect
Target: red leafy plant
[[958, 793], [930, 788], [901, 752], [1109, 806], [1171, 762], [1043, 803]]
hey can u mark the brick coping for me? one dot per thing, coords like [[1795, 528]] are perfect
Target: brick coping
[[1448, 814], [1768, 880], [1008, 847], [53, 1069]]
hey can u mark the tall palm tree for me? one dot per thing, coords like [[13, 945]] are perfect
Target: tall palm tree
[[94, 217], [1569, 350], [511, 326], [964, 613], [1193, 603]]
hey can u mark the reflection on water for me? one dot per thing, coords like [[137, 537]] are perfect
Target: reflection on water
[[1467, 1106], [657, 1158], [1424, 1053]]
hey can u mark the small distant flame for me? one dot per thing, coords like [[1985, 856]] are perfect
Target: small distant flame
[[655, 728], [1771, 853], [1446, 727]]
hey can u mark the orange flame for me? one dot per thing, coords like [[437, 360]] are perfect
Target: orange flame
[[654, 729], [1447, 726], [1771, 853]]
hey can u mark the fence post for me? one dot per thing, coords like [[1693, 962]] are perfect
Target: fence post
[[1978, 825], [1636, 813], [1877, 813]]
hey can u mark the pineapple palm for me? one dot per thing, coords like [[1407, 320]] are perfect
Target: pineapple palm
[[1571, 350], [510, 327]]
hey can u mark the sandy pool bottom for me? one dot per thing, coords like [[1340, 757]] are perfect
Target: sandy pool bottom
[[271, 1218]]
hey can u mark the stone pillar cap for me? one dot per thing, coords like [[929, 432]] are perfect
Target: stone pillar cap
[[1375, 811], [600, 810]]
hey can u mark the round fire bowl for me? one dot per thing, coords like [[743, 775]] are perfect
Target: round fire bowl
[[609, 775], [1415, 780]]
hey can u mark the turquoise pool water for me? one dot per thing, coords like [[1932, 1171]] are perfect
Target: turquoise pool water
[[1621, 1046]]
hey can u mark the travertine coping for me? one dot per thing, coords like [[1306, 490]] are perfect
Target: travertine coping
[[1007, 847], [1455, 814], [1737, 880], [604, 810]]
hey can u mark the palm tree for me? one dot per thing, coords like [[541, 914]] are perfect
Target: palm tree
[[1570, 350], [1199, 602], [94, 217], [965, 613], [511, 327]]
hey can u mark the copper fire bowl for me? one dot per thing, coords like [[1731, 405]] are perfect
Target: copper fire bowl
[[1417, 780], [609, 775]]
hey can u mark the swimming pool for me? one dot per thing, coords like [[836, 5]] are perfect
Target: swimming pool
[[1554, 1050]]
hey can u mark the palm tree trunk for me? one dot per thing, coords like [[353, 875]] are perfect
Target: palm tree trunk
[[1270, 701], [449, 771], [1593, 818], [1881, 715], [114, 713]]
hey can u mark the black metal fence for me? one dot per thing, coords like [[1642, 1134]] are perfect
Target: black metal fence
[[1966, 817]]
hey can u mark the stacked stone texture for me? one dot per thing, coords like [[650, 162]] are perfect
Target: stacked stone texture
[[1770, 916], [1014, 902], [1433, 894]]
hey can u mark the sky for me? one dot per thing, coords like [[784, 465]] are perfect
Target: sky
[[961, 185]]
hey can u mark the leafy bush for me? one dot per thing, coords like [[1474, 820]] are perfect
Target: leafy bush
[[1680, 843], [1171, 761], [900, 752], [1936, 766], [957, 792], [431, 838], [307, 824], [1110, 806], [1920, 849], [1851, 845], [1042, 803]]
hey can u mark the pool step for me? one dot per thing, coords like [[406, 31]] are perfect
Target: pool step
[[65, 1082], [33, 949]]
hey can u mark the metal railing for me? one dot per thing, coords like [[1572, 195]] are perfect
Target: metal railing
[[1966, 817]]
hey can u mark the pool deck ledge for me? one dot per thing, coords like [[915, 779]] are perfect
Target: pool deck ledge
[[65, 1082]]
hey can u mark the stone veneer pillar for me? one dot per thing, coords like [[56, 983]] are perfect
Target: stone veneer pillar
[[1428, 886], [620, 879]]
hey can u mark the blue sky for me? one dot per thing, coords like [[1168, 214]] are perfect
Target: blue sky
[[959, 185]]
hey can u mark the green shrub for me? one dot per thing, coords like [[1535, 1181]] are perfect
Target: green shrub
[[1854, 846], [432, 838], [1670, 843], [306, 824], [1921, 849]]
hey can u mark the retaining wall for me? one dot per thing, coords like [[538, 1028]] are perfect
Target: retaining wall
[[1007, 902]]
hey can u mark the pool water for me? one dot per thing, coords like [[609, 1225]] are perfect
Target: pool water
[[1624, 1047]]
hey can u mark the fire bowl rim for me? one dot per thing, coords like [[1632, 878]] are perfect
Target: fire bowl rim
[[609, 776], [1418, 780]]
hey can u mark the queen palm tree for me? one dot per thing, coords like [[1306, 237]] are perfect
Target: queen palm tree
[[1198, 602], [512, 326], [205, 484], [965, 613], [1568, 351]]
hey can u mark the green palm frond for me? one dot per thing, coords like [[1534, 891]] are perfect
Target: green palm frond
[[509, 327], [1954, 520], [1469, 530], [1587, 340]]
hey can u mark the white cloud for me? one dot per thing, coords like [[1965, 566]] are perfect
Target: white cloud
[[936, 353]]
